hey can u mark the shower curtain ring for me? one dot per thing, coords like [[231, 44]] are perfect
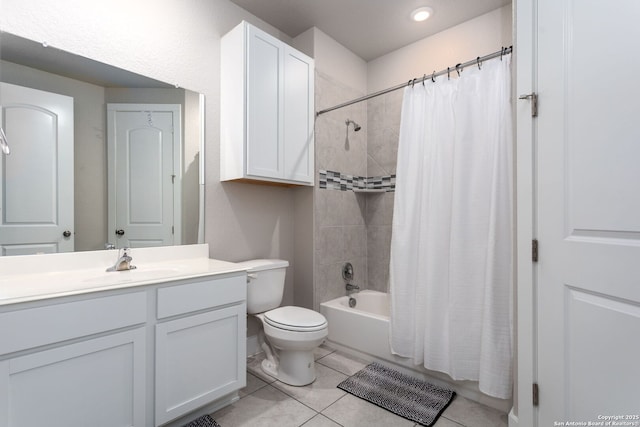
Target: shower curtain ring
[[424, 77], [448, 74], [502, 52], [433, 76], [479, 63], [413, 82], [458, 69]]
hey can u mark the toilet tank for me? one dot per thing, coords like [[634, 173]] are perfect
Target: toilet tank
[[265, 283]]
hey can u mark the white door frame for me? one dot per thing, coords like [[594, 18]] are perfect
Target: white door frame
[[176, 109], [524, 413]]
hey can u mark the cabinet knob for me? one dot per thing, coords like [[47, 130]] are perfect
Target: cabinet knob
[[66, 233]]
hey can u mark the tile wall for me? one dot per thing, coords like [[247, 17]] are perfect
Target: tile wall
[[383, 123], [340, 227], [344, 182], [350, 226]]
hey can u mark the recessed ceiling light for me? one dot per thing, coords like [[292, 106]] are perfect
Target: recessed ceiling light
[[421, 14]]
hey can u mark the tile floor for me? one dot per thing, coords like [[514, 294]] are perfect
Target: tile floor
[[265, 402]]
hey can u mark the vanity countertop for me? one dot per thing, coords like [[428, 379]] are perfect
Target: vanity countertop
[[37, 277]]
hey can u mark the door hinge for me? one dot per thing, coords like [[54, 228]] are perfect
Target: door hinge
[[536, 394], [172, 230], [534, 102], [534, 250], [173, 179]]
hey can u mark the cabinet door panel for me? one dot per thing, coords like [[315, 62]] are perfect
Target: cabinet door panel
[[298, 117], [264, 105], [99, 382], [198, 360]]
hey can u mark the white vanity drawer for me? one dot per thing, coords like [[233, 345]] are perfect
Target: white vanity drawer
[[201, 295], [34, 327]]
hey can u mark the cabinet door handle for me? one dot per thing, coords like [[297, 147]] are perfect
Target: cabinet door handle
[[120, 232]]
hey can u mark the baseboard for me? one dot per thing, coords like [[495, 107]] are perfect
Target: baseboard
[[513, 419]]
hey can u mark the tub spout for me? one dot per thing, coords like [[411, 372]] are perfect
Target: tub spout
[[351, 287]]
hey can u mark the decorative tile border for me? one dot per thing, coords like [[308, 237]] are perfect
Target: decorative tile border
[[332, 180]]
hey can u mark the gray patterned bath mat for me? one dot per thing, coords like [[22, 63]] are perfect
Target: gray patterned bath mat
[[203, 421], [406, 396]]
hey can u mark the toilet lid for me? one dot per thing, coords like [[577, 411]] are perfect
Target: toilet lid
[[295, 319]]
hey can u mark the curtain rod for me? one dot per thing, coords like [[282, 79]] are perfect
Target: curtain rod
[[503, 51]]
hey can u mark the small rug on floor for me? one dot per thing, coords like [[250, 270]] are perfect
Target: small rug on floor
[[203, 421], [404, 395]]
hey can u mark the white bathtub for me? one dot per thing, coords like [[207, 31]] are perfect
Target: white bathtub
[[364, 331], [365, 327]]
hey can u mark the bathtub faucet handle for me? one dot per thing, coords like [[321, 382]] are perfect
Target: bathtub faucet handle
[[351, 287]]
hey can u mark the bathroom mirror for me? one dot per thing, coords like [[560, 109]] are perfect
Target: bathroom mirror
[[28, 204]]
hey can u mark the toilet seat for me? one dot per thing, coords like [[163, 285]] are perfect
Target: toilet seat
[[295, 319]]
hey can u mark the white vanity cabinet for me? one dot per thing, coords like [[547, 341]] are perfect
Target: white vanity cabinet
[[139, 356], [200, 354], [267, 109]]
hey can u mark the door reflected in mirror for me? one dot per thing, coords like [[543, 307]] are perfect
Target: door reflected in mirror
[[52, 200]]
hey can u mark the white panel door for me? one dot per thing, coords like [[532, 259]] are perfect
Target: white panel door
[[36, 179], [298, 116], [264, 105], [588, 210], [144, 174]]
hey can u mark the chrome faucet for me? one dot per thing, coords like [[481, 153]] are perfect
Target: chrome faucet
[[123, 262], [351, 287]]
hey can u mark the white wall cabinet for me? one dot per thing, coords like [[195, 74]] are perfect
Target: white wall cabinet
[[88, 360], [267, 109]]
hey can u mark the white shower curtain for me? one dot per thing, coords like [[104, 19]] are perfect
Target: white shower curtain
[[451, 268]]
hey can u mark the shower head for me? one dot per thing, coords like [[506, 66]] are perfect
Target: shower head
[[356, 127]]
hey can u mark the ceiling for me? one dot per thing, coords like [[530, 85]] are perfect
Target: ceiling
[[369, 28]]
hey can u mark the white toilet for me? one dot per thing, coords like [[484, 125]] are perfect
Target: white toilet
[[292, 333]]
